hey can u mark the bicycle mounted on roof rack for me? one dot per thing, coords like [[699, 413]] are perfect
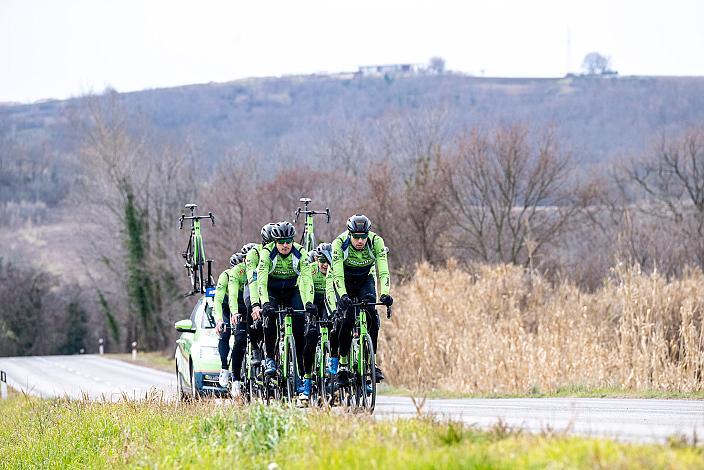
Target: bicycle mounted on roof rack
[[195, 252], [308, 235]]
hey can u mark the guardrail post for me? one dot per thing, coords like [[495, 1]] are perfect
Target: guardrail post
[[101, 350], [3, 385], [134, 350]]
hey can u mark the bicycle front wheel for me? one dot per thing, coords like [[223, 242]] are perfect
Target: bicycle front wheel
[[290, 368], [366, 383], [324, 380]]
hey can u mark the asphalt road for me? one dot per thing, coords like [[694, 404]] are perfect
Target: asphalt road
[[643, 420]]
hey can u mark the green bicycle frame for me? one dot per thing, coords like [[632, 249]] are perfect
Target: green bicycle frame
[[198, 248], [362, 323], [324, 339], [309, 241], [288, 333]]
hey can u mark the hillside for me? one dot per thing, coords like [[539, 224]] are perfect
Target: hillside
[[599, 118]]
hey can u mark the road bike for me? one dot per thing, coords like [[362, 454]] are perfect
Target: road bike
[[359, 393], [195, 252], [308, 235]]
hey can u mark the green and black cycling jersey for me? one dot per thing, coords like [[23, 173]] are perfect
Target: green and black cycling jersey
[[293, 267], [230, 285], [349, 263], [252, 263]]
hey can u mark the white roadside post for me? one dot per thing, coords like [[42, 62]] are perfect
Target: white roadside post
[[101, 350], [3, 385], [134, 350]]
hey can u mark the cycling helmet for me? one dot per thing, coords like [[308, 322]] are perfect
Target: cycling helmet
[[324, 250], [311, 256], [266, 233], [283, 230], [236, 259], [359, 223], [245, 249]]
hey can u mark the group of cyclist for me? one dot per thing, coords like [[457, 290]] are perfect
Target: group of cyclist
[[280, 273]]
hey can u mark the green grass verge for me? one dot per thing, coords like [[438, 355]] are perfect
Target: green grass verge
[[159, 360], [576, 391], [69, 434]]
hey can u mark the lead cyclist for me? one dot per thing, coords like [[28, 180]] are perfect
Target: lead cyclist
[[355, 253]]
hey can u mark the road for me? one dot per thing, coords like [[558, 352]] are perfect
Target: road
[[640, 420]]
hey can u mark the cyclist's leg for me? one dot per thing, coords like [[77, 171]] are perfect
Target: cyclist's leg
[[367, 291], [271, 333], [240, 346], [347, 319], [299, 325], [224, 340]]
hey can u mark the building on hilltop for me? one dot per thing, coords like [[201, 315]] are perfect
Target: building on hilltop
[[390, 69]]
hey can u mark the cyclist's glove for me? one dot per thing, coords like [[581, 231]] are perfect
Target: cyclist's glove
[[268, 309], [386, 300], [344, 303], [312, 310]]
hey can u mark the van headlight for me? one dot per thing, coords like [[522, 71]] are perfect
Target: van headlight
[[209, 352]]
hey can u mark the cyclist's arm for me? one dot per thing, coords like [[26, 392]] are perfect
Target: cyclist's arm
[[330, 299], [251, 261], [338, 267], [263, 276], [220, 291], [382, 265], [305, 279], [233, 288]]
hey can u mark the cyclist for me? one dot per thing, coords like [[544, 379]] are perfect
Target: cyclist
[[229, 300], [355, 253], [284, 280], [319, 262], [251, 326], [252, 262]]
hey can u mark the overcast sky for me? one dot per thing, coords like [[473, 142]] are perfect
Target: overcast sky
[[58, 49]]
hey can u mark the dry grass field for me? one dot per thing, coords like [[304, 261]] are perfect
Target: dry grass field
[[502, 330]]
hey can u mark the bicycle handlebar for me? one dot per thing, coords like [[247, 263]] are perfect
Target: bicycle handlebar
[[389, 310], [194, 217]]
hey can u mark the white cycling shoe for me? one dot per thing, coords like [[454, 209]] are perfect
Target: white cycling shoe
[[224, 379]]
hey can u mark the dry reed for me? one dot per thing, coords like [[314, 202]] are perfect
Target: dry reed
[[500, 329]]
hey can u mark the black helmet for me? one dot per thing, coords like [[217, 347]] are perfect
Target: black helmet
[[236, 259], [283, 230], [358, 224], [266, 233], [245, 249], [324, 250]]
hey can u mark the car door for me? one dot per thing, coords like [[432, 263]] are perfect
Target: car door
[[185, 343]]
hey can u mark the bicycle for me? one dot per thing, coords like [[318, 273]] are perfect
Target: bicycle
[[195, 252], [362, 363], [308, 236], [254, 379], [323, 382], [283, 384]]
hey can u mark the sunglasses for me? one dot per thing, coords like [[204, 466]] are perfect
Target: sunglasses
[[359, 235], [323, 260], [284, 240]]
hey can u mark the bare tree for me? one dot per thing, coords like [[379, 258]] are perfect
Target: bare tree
[[437, 65], [595, 63], [670, 189], [508, 199]]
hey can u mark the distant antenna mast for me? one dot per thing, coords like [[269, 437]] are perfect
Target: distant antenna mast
[[569, 50]]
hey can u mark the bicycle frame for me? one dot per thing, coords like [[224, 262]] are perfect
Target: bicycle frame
[[308, 235]]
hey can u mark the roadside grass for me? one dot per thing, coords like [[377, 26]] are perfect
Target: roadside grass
[[575, 391], [158, 434], [160, 360]]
